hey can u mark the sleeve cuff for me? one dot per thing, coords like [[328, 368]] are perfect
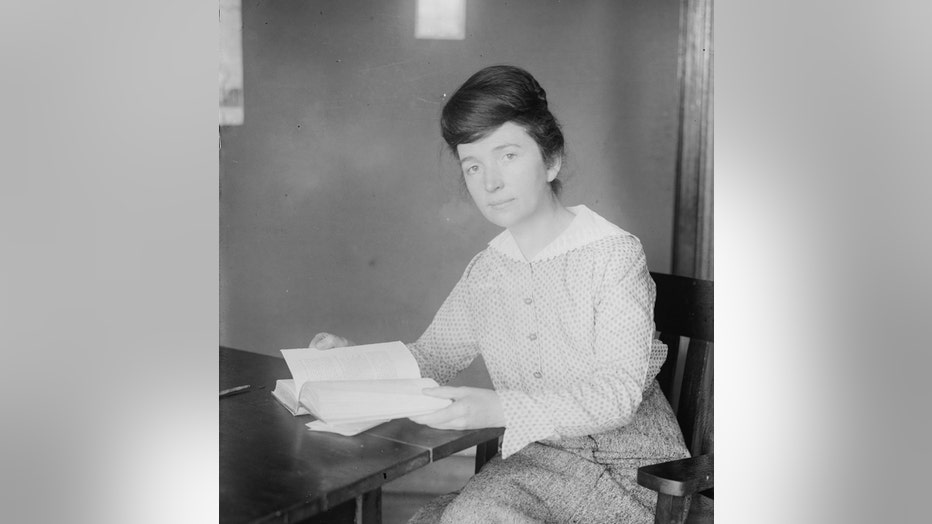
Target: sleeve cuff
[[525, 422]]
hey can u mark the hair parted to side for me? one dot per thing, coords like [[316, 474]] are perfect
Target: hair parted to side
[[496, 95]]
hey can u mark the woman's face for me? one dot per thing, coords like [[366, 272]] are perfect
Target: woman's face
[[507, 177]]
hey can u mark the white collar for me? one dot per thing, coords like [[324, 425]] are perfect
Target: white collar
[[585, 228]]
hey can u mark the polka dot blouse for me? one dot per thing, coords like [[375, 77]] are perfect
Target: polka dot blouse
[[568, 337]]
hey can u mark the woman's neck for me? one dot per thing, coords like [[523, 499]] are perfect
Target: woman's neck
[[535, 235]]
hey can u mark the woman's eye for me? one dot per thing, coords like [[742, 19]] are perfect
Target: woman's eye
[[511, 156], [471, 170]]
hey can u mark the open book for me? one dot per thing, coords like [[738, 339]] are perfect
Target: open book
[[354, 388]]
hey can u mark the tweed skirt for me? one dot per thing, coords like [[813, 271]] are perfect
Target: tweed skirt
[[587, 479]]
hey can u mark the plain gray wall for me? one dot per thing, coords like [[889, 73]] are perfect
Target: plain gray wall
[[339, 208]]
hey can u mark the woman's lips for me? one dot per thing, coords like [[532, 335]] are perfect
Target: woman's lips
[[500, 204]]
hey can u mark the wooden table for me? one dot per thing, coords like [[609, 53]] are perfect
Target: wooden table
[[273, 469]]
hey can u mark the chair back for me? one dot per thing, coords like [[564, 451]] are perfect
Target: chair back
[[683, 314]]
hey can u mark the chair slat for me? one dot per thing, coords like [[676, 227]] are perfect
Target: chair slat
[[695, 395], [667, 374]]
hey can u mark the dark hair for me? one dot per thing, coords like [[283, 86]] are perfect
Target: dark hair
[[496, 95]]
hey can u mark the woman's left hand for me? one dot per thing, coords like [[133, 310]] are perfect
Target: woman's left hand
[[472, 408]]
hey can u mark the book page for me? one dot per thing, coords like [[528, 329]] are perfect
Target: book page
[[344, 429], [388, 360], [284, 392], [341, 402]]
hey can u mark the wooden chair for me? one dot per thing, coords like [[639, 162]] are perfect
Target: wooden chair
[[684, 308]]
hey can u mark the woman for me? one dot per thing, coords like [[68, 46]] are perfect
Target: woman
[[560, 305]]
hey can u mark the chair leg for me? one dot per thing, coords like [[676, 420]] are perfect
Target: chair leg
[[670, 509], [369, 507]]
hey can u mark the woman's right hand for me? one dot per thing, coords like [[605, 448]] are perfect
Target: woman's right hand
[[328, 341]]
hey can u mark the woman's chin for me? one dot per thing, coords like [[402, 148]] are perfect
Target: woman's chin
[[498, 218]]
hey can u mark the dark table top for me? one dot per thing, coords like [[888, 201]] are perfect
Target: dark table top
[[273, 469]]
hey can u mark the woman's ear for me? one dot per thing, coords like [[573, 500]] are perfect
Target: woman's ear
[[554, 168]]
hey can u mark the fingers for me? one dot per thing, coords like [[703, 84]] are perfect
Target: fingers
[[471, 408], [445, 392], [317, 341], [328, 341]]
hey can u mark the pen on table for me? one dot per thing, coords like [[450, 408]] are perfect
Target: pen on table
[[233, 391]]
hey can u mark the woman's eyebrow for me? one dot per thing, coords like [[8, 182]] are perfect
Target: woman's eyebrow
[[494, 149]]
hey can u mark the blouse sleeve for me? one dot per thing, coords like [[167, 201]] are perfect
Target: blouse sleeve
[[623, 363], [449, 344]]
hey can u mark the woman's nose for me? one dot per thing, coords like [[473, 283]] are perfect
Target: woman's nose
[[493, 180]]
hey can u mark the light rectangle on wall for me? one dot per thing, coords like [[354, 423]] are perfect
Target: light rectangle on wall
[[231, 63], [441, 20]]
